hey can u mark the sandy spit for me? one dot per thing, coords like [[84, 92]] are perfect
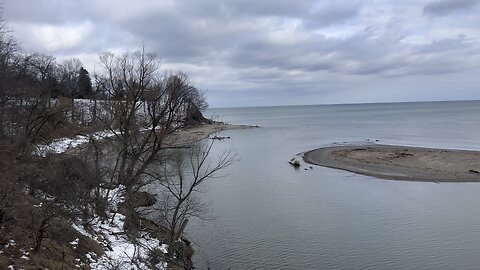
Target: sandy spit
[[400, 162]]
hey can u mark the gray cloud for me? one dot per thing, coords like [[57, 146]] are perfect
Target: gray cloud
[[250, 52], [45, 11], [445, 7]]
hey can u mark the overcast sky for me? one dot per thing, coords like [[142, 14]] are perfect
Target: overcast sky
[[273, 52]]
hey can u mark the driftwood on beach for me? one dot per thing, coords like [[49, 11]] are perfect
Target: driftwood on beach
[[401, 162]]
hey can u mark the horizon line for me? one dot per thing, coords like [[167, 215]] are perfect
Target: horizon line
[[352, 103]]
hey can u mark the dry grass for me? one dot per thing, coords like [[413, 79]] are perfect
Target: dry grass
[[22, 215], [57, 250]]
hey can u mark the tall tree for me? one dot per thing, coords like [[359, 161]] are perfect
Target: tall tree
[[144, 109], [140, 125], [84, 85], [8, 49], [68, 75], [41, 68]]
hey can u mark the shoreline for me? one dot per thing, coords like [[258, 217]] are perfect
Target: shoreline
[[400, 162], [183, 137], [201, 132], [155, 233]]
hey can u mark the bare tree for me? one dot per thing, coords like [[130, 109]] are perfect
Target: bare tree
[[39, 120], [7, 191], [198, 100], [67, 74], [143, 110], [42, 67], [181, 179], [8, 50], [46, 215]]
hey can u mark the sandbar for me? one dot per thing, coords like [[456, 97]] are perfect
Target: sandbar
[[400, 162]]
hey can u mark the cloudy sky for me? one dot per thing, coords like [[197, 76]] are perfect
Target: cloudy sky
[[274, 52]]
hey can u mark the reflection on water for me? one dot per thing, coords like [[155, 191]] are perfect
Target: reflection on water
[[270, 216]]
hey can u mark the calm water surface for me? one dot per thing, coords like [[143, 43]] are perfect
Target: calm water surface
[[270, 216]]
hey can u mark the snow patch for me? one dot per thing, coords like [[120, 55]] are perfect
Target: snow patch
[[10, 243], [164, 248], [61, 145], [121, 252], [38, 205], [74, 243]]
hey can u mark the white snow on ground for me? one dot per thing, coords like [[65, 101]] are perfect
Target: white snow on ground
[[74, 243], [10, 243], [38, 205], [121, 252], [25, 255], [164, 248], [63, 144], [84, 107]]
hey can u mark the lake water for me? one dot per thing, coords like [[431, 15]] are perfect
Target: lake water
[[271, 216]]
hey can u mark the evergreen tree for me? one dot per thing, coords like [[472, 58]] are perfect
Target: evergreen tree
[[84, 84]]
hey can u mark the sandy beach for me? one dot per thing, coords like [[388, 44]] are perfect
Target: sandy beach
[[400, 162], [200, 132]]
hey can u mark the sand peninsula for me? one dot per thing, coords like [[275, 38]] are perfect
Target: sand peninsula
[[400, 162]]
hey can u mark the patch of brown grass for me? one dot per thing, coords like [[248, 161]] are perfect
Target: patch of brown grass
[[56, 251]]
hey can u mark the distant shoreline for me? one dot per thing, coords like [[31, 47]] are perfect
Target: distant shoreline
[[200, 132], [400, 162], [343, 104]]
